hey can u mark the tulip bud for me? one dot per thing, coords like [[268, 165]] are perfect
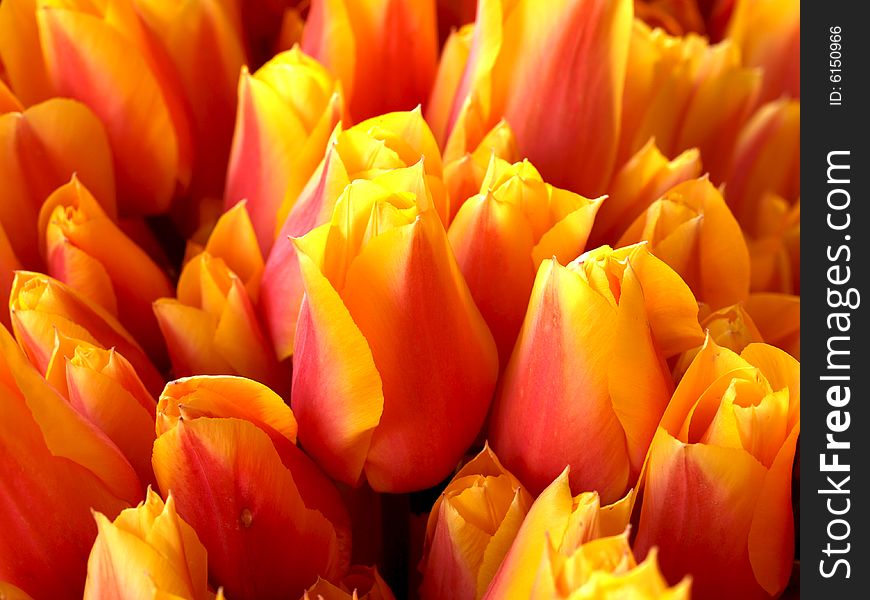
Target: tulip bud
[[381, 149], [501, 236], [102, 55], [392, 357], [556, 521], [383, 52], [470, 529], [147, 552], [693, 231], [40, 306], [62, 466], [270, 520], [594, 342], [721, 461], [40, 149], [361, 583], [86, 250], [286, 112]]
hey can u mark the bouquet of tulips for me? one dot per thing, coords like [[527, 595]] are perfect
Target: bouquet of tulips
[[376, 299]]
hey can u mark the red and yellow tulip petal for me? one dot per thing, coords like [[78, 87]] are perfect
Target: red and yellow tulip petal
[[399, 273], [328, 36], [189, 334], [231, 486], [235, 241], [9, 263], [19, 44], [451, 66], [337, 391]]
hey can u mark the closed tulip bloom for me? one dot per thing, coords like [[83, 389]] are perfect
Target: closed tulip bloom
[[391, 149], [85, 249], [269, 519], [556, 521], [395, 399], [384, 52], [102, 55], [501, 236], [287, 110], [687, 94], [62, 467], [588, 370], [40, 149], [471, 528], [41, 306], [211, 328], [147, 552], [604, 568], [721, 462], [360, 583], [643, 179], [775, 249], [567, 125], [692, 229]]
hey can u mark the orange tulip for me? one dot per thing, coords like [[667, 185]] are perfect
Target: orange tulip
[[778, 318], [693, 231], [62, 466], [8, 101], [643, 179], [593, 342], [567, 125], [102, 55], [470, 529], [41, 306], [769, 36], [40, 149], [384, 52], [9, 263], [361, 583], [775, 249], [766, 161], [382, 149], [286, 113], [501, 235], [687, 94], [721, 464], [147, 552], [86, 250], [270, 520], [203, 42], [393, 365], [211, 328], [557, 521], [104, 388]]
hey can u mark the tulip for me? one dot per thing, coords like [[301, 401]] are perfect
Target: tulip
[[693, 231], [86, 250], [501, 236], [556, 521], [269, 519], [769, 37], [286, 112], [55, 466], [721, 464], [211, 328], [766, 161], [147, 552], [393, 365], [778, 318], [9, 263], [104, 388], [775, 250], [204, 43], [643, 179], [470, 529], [40, 149], [383, 149], [567, 125], [687, 94], [40, 306], [361, 583], [102, 55], [384, 52], [587, 382]]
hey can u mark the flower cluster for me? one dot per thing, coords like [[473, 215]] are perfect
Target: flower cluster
[[439, 299]]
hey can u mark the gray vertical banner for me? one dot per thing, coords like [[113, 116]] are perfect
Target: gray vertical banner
[[835, 259]]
